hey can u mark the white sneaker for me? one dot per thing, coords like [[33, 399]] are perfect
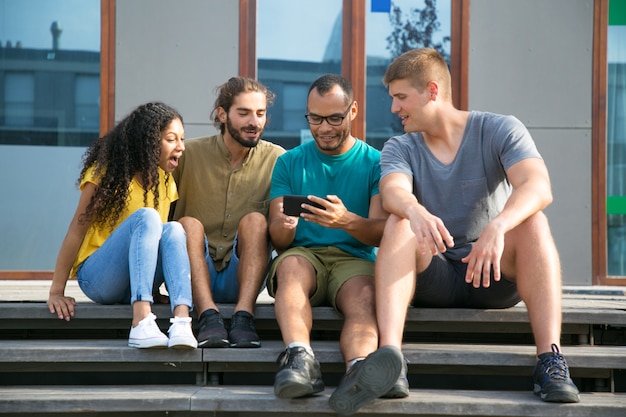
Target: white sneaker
[[181, 335], [147, 334]]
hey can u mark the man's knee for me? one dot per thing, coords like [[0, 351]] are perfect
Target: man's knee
[[295, 266], [532, 239], [253, 229], [393, 221], [191, 224], [534, 229], [359, 288], [254, 220], [396, 225], [356, 297], [194, 230]]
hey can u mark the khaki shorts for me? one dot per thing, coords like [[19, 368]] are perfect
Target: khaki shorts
[[334, 268]]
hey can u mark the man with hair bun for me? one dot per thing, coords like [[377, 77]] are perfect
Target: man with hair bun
[[223, 184]]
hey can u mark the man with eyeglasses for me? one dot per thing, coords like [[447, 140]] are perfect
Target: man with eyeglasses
[[326, 256]]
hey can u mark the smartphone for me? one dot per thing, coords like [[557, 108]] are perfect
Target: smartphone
[[292, 205]]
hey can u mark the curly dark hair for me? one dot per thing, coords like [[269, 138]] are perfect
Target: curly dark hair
[[131, 148]]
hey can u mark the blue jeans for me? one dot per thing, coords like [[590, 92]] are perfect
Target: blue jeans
[[225, 283], [136, 259]]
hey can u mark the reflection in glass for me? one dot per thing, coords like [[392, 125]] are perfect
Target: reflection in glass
[[296, 43], [19, 99], [399, 26], [49, 72]]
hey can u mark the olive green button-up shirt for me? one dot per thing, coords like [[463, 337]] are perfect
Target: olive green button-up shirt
[[218, 195]]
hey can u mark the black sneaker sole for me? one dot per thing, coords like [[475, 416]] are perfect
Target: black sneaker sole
[[246, 344], [290, 387], [213, 343], [399, 390], [557, 396], [375, 377]]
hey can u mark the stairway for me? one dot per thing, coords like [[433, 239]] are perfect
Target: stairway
[[461, 363]]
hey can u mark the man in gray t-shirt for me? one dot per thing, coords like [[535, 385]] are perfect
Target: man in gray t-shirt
[[465, 192], [472, 189]]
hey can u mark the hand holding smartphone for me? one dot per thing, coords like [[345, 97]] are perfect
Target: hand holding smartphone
[[292, 205]]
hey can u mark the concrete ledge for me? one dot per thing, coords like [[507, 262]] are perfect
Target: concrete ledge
[[115, 355], [574, 312], [260, 401]]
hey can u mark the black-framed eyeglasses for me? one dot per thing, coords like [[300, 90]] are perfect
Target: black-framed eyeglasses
[[332, 120]]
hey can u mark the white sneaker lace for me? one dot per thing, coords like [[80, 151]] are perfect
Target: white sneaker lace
[[179, 321], [149, 324]]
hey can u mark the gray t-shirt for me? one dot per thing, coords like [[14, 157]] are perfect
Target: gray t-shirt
[[470, 191]]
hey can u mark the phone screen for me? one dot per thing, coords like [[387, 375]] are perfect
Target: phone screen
[[292, 205]]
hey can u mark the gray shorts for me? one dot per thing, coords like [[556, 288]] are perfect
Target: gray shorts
[[443, 284]]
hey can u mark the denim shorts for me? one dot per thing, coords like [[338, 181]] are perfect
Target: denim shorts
[[225, 283], [443, 284]]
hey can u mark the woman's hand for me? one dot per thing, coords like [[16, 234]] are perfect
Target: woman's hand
[[62, 306]]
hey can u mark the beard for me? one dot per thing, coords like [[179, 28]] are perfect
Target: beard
[[341, 139], [236, 134]]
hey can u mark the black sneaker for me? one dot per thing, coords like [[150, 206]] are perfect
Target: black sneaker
[[401, 388], [298, 375], [211, 330], [242, 332], [367, 380], [552, 379]]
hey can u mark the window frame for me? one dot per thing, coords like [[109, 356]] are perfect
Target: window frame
[[353, 55], [107, 65], [599, 258], [354, 35]]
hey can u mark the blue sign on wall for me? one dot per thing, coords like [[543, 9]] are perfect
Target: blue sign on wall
[[381, 6]]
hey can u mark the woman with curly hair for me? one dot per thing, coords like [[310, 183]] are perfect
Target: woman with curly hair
[[119, 244]]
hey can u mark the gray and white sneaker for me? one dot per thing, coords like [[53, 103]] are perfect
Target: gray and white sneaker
[[367, 380], [552, 379]]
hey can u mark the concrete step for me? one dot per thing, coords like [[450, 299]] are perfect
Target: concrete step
[[86, 365], [251, 401], [24, 356], [577, 316]]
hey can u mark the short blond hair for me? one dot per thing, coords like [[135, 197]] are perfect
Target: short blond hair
[[421, 66]]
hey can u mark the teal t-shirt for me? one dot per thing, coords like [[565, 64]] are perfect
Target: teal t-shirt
[[353, 177]]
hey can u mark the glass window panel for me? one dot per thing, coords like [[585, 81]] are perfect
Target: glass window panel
[[295, 106], [387, 25], [616, 141], [296, 43], [19, 93], [56, 45], [86, 97]]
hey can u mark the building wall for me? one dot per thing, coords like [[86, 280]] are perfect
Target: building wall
[[533, 59], [175, 52]]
